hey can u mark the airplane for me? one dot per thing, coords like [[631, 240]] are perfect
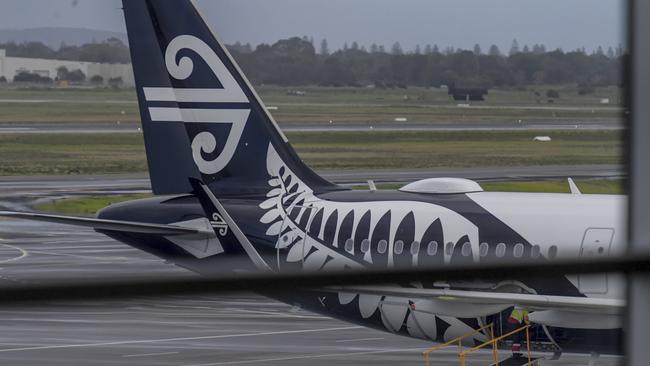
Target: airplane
[[232, 196]]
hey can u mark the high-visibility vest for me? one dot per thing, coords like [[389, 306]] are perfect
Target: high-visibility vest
[[518, 317]]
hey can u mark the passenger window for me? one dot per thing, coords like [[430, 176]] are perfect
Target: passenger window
[[467, 249], [450, 248], [415, 247], [432, 248], [519, 250], [536, 252], [399, 247], [501, 250], [349, 246], [365, 246], [483, 249], [382, 246], [552, 252]]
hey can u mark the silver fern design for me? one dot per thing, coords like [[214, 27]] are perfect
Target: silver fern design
[[317, 232], [300, 221]]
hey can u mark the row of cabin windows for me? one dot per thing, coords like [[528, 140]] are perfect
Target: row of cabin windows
[[466, 250]]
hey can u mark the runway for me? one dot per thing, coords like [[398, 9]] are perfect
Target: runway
[[339, 126], [18, 186], [224, 329]]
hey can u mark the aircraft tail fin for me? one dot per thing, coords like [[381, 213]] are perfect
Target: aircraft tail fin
[[201, 117]]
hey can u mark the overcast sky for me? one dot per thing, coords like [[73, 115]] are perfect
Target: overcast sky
[[568, 24]]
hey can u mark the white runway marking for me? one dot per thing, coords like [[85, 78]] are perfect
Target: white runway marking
[[281, 315], [360, 340], [104, 259], [290, 358], [117, 343], [23, 254], [151, 354]]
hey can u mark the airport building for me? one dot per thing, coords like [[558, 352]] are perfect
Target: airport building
[[12, 66]]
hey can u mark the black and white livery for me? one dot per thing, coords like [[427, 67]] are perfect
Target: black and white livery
[[232, 195]]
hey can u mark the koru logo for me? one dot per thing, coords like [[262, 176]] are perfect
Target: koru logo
[[181, 69], [219, 223]]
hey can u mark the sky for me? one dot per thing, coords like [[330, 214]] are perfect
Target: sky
[[567, 24]]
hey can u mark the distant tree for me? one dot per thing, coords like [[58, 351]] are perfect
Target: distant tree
[[76, 76], [62, 73], [610, 53], [240, 48], [599, 51], [335, 73], [97, 80], [514, 48], [382, 48], [477, 49], [324, 47], [116, 82], [494, 51], [418, 50], [526, 49], [539, 49], [345, 46], [436, 50], [428, 49], [374, 48], [396, 49], [28, 77], [3, 79], [355, 46]]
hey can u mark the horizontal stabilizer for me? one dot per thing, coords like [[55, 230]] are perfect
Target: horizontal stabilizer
[[110, 225]]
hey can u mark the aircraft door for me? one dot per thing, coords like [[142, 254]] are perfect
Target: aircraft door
[[596, 243]]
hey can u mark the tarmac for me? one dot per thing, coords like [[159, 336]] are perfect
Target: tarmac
[[224, 329], [71, 184], [338, 126]]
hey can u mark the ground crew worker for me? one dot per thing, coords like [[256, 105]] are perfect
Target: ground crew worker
[[518, 318]]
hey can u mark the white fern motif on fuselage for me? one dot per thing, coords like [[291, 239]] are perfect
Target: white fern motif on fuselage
[[292, 207]]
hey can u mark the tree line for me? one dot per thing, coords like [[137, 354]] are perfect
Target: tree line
[[112, 50], [295, 62]]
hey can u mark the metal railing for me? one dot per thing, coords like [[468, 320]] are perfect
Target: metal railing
[[494, 341], [459, 340]]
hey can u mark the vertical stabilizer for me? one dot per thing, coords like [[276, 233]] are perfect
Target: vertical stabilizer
[[200, 115]]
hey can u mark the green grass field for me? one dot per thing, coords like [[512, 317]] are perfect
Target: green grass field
[[89, 205], [318, 105], [434, 105], [377, 150], [64, 154]]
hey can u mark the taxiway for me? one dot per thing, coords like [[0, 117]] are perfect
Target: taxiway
[[220, 329]]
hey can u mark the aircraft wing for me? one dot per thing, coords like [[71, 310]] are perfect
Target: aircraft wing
[[529, 301], [110, 225]]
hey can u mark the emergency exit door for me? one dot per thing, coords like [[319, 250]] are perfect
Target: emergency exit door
[[595, 244]]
